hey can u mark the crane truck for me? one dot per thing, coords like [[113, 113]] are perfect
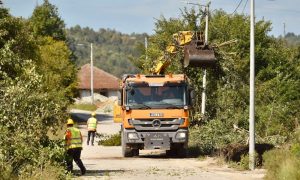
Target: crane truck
[[154, 109]]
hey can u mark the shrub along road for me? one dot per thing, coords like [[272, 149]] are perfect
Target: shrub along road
[[107, 162]]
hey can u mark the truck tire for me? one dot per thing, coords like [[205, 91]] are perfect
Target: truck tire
[[126, 151], [171, 152], [181, 152], [177, 151], [135, 152]]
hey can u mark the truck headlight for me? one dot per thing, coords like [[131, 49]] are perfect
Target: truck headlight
[[180, 135], [132, 136]]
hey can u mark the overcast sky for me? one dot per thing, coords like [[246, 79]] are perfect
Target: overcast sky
[[128, 16]]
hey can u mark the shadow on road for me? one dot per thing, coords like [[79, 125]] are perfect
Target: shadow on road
[[161, 156], [99, 172], [83, 117]]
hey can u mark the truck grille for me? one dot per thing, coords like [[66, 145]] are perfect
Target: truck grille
[[156, 124]]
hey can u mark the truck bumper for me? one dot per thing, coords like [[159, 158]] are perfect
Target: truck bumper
[[155, 140]]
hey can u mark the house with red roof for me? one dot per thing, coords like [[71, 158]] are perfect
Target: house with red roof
[[104, 83]]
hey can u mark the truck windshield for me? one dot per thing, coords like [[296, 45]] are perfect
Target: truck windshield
[[146, 97]]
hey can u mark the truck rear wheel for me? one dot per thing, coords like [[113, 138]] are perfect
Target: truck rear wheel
[[126, 151]]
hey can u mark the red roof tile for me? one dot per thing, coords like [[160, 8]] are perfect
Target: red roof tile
[[102, 79]]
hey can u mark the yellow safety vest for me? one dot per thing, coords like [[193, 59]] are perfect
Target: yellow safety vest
[[75, 141], [92, 124]]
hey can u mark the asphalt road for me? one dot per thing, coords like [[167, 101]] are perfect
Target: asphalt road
[[82, 116]]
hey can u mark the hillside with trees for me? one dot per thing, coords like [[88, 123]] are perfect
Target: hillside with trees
[[292, 39], [112, 50]]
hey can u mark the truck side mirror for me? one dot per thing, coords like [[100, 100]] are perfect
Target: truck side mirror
[[120, 98], [192, 97]]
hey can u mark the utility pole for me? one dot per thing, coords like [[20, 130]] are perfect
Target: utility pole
[[92, 75], [203, 104], [252, 90], [146, 47]]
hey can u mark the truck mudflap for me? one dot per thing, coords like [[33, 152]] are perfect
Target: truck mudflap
[[155, 140]]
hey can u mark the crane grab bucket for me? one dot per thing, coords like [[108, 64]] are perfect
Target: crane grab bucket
[[198, 57]]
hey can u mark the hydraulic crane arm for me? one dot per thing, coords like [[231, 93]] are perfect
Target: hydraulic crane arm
[[196, 52]]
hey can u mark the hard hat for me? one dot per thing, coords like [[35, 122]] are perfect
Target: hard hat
[[93, 114], [70, 121]]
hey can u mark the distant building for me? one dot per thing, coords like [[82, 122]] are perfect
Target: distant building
[[104, 83]]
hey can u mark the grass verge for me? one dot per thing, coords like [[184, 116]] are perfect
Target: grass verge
[[86, 107], [109, 140]]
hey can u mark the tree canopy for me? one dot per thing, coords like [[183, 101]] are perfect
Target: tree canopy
[[45, 21]]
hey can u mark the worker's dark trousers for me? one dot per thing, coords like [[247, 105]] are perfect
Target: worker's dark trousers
[[74, 154], [91, 133]]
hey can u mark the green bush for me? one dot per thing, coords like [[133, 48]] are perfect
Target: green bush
[[284, 163], [109, 140], [243, 164], [49, 171], [213, 136]]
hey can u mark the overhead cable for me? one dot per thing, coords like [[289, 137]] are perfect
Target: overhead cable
[[237, 7], [245, 6]]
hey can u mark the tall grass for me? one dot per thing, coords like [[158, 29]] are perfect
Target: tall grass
[[284, 163], [86, 107]]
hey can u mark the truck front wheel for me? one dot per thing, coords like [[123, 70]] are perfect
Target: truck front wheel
[[181, 152], [177, 150], [126, 151]]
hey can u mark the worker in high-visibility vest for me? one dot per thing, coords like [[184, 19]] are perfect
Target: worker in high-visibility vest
[[73, 143], [92, 128]]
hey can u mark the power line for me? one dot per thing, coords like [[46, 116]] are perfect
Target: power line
[[237, 7], [245, 6]]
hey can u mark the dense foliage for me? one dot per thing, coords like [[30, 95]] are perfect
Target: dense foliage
[[112, 50], [226, 120], [37, 83], [45, 21]]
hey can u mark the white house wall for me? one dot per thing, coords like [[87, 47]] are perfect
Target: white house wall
[[85, 93], [112, 93]]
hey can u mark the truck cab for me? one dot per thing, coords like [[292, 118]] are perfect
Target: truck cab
[[153, 110]]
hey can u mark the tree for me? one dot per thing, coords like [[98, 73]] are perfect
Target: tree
[[31, 105], [59, 73], [45, 21]]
